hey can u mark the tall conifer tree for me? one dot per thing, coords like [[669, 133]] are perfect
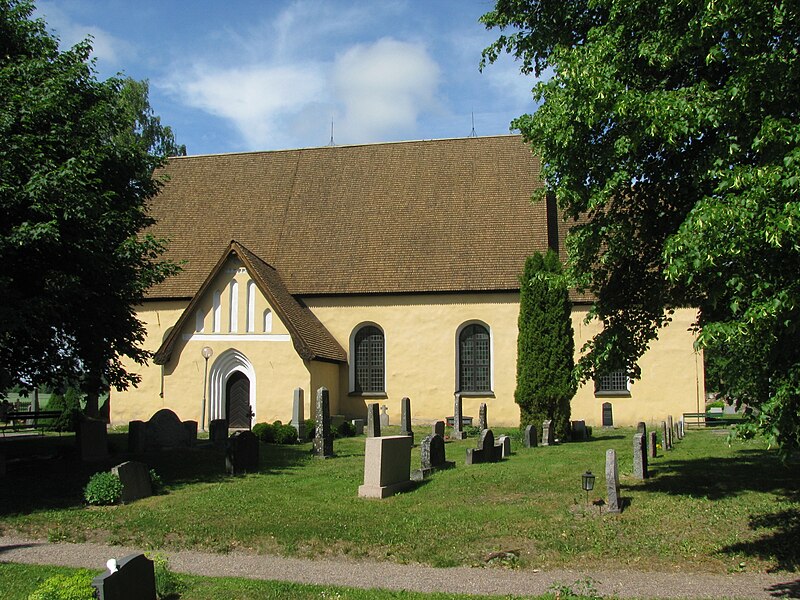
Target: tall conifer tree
[[545, 346]]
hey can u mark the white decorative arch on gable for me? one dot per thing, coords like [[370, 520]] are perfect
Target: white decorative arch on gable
[[228, 363]]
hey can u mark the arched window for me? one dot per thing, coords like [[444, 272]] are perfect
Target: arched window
[[368, 360], [474, 359], [267, 321]]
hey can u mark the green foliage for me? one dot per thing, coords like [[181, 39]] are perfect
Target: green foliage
[[156, 483], [70, 406], [169, 585], [670, 132], [77, 586], [104, 488], [285, 434], [275, 433], [264, 432], [545, 345], [77, 158], [344, 430], [311, 427]]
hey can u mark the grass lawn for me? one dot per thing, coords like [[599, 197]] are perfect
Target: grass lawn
[[708, 507]]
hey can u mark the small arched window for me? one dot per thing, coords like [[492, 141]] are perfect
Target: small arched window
[[368, 357], [474, 359], [268, 321]]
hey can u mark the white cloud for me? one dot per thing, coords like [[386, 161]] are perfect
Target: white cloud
[[383, 88]]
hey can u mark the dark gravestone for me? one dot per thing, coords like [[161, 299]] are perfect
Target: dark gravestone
[[664, 437], [137, 437], [241, 455], [323, 438], [641, 427], [670, 432], [405, 419], [529, 437], [135, 479], [191, 432], [483, 422], [639, 456], [579, 431], [612, 482], [134, 579], [651, 445], [432, 457], [438, 428], [486, 450], [458, 421], [504, 442], [166, 430], [547, 433], [218, 431], [92, 439], [373, 420]]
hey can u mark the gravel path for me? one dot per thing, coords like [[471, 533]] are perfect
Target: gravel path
[[624, 584]]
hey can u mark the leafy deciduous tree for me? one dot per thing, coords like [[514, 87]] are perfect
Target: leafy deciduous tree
[[673, 129], [77, 157]]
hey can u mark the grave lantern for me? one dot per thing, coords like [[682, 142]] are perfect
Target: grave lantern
[[587, 483]]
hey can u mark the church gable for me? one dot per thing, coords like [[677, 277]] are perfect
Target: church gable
[[243, 298]]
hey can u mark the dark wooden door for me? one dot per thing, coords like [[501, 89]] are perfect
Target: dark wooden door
[[237, 401]]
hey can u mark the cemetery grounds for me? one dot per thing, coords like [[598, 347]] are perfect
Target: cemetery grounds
[[710, 506]]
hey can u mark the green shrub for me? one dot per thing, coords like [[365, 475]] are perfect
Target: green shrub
[[169, 585], [285, 434], [77, 586], [264, 432], [345, 430], [472, 431], [156, 482], [311, 427], [70, 406], [103, 488]]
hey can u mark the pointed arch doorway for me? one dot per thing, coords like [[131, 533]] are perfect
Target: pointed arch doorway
[[232, 389]]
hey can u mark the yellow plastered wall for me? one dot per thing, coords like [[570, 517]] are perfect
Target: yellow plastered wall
[[253, 329], [672, 381]]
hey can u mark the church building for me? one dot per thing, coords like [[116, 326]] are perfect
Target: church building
[[378, 271]]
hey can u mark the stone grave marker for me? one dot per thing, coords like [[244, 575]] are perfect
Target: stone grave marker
[[166, 430], [438, 428], [482, 417], [458, 420], [505, 445], [486, 450], [132, 578], [137, 437], [579, 431], [612, 482], [529, 437], [241, 454], [135, 479], [664, 438], [387, 466], [547, 433], [373, 420], [432, 457], [384, 416], [298, 413], [639, 456], [92, 439], [670, 432], [641, 427], [323, 438], [218, 431], [681, 428], [405, 419], [652, 451], [358, 425]]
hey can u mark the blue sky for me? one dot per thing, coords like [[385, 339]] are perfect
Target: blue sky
[[242, 75]]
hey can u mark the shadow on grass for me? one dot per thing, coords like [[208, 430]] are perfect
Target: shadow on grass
[[46, 473], [780, 544]]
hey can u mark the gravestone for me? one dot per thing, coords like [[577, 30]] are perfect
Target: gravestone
[[137, 437], [486, 450], [298, 413], [133, 578], [505, 445], [384, 416], [652, 451], [358, 426], [612, 482], [529, 439], [135, 479], [438, 428], [241, 454], [664, 438], [458, 421], [191, 432], [373, 420], [681, 428], [163, 430], [432, 457], [579, 431], [323, 438], [92, 439], [670, 432], [639, 456], [641, 427], [482, 420], [218, 431], [547, 433], [405, 419], [387, 466]]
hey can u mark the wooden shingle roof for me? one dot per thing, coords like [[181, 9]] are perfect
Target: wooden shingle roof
[[426, 216], [310, 338]]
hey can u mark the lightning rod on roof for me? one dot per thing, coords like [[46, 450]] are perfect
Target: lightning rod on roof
[[331, 142], [473, 134]]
